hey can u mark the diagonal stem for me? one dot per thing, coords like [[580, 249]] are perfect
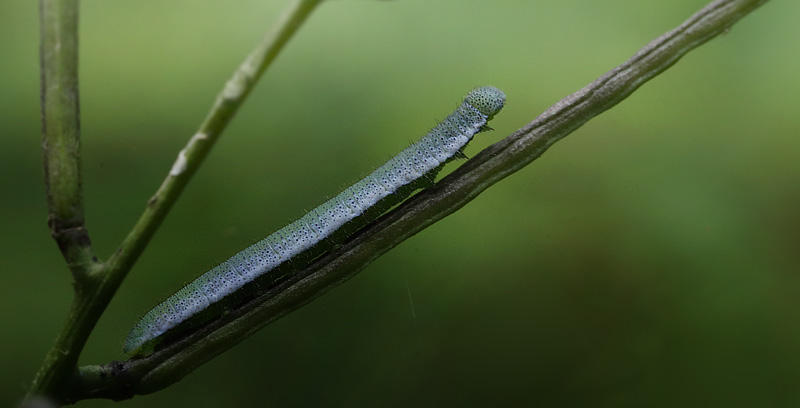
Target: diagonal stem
[[159, 370], [96, 283], [190, 157]]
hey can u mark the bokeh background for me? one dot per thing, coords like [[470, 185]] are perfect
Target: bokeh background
[[652, 258]]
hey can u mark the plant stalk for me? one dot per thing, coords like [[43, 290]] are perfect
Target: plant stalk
[[96, 283], [144, 375]]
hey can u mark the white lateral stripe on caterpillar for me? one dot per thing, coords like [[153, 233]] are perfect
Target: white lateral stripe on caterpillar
[[442, 143]]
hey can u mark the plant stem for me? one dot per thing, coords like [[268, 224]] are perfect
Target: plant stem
[[159, 370], [96, 283], [190, 157], [62, 168], [61, 143]]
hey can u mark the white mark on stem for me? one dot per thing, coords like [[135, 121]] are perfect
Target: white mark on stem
[[235, 87], [180, 163]]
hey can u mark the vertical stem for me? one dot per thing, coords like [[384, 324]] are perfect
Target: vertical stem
[[62, 168], [95, 283], [61, 132]]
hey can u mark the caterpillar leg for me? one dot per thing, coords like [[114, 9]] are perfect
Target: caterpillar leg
[[460, 155]]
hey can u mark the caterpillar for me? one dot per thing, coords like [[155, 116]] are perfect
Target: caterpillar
[[353, 208]]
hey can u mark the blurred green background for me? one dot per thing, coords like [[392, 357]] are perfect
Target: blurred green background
[[652, 258]]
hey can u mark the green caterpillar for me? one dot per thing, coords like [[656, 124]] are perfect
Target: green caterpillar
[[354, 207]]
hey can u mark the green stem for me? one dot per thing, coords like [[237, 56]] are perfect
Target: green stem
[[159, 370], [96, 283], [61, 143], [61, 148], [190, 157]]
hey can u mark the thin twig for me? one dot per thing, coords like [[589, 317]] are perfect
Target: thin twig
[[139, 376], [61, 142], [96, 283], [190, 157], [62, 169]]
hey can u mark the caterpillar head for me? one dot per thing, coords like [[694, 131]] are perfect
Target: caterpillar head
[[487, 99]]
